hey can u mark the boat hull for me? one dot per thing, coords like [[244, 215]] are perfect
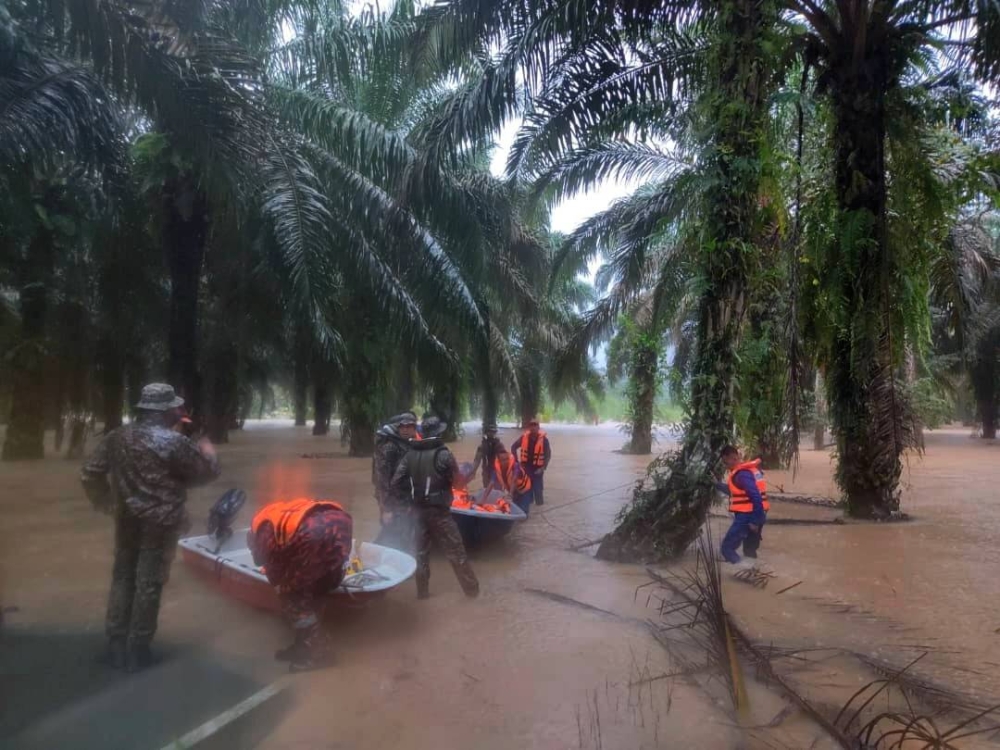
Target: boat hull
[[231, 571]]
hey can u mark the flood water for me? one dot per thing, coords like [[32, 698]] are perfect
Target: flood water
[[516, 667]]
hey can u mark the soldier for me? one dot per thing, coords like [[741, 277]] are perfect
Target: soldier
[[303, 545], [140, 473], [533, 452], [391, 444], [486, 453], [427, 474]]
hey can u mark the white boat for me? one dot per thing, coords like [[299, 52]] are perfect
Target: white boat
[[231, 569]]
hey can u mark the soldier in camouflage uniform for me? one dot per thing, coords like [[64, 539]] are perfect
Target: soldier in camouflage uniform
[[303, 545], [391, 444], [427, 474], [140, 473]]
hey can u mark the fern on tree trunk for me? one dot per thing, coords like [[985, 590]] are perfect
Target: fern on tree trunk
[[671, 504]]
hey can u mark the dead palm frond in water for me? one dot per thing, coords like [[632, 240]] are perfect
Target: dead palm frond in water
[[893, 729], [703, 617], [695, 609]]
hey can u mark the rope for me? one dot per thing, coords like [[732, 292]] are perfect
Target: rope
[[565, 533]]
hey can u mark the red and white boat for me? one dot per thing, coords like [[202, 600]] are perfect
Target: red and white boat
[[231, 570]]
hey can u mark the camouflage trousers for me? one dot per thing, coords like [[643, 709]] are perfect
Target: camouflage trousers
[[435, 526], [143, 555]]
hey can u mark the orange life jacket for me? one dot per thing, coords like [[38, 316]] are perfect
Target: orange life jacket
[[537, 457], [514, 480], [286, 515], [460, 499], [739, 501]]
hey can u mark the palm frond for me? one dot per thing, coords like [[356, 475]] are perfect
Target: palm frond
[[50, 108]]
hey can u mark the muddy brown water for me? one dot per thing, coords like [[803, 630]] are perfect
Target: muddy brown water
[[515, 668]]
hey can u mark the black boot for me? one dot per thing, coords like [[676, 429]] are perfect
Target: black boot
[[139, 657], [312, 651], [114, 655], [298, 650]]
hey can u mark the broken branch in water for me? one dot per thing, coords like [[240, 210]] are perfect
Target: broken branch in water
[[574, 602], [789, 588]]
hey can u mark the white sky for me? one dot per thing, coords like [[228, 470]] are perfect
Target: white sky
[[573, 211]]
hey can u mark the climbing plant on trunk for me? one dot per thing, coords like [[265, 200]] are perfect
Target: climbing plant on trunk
[[668, 510]]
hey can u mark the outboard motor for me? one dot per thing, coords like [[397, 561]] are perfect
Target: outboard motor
[[223, 514]]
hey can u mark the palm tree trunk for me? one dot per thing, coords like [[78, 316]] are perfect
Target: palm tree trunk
[[530, 380], [26, 423], [819, 429], [322, 406], [184, 236], [667, 513], [135, 377], [444, 404], [300, 386], [223, 390], [912, 376], [984, 375], [112, 388], [642, 394], [402, 393], [865, 405]]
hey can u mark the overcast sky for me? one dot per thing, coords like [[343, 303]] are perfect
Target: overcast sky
[[573, 211]]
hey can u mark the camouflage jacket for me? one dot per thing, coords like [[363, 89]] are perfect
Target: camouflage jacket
[[389, 451], [144, 470]]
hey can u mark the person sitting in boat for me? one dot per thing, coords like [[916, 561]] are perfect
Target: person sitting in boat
[[512, 478], [302, 546]]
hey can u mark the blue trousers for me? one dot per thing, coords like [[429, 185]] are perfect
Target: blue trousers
[[537, 487], [741, 533], [524, 501]]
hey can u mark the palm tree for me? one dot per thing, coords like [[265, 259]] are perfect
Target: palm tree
[[617, 70]]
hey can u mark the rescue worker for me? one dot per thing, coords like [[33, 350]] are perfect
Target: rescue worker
[[391, 444], [533, 452], [748, 503], [140, 473], [513, 479], [486, 453], [302, 545], [427, 474]]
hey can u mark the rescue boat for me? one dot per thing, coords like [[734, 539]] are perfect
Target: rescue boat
[[484, 519], [229, 567]]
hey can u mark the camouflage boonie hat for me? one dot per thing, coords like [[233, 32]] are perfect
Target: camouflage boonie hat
[[432, 427], [159, 397], [407, 417]]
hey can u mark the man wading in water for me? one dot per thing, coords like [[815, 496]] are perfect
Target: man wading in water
[[427, 474], [533, 452], [392, 441], [151, 466], [748, 503], [486, 453]]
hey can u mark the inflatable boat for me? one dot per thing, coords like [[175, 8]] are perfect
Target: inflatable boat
[[229, 567]]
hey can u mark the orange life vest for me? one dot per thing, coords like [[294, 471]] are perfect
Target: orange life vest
[[460, 499], [537, 457], [739, 501], [286, 515], [514, 480]]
